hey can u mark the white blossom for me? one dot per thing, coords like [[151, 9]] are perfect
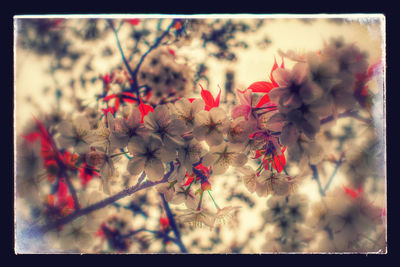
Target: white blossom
[[123, 129], [148, 155], [165, 128], [222, 156], [186, 111], [211, 126], [76, 134]]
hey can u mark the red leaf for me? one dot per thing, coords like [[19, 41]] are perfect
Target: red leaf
[[86, 174], [107, 98], [109, 109], [32, 137], [62, 190], [353, 193], [171, 51], [144, 109], [258, 154], [106, 79], [164, 222], [178, 25], [263, 101], [217, 99], [261, 87], [208, 98], [189, 180], [42, 130], [117, 103], [133, 21], [274, 67], [277, 162]]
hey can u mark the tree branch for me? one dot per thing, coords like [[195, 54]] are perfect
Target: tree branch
[[349, 113], [173, 225], [338, 163], [316, 177], [127, 192], [156, 43]]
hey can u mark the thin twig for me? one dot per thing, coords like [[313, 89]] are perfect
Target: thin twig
[[338, 163], [349, 113], [172, 223], [156, 43], [316, 177], [120, 48]]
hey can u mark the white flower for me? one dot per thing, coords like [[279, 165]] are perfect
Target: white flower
[[267, 183], [245, 108], [178, 174], [163, 127], [323, 70], [123, 129], [305, 151], [101, 160], [211, 126], [94, 218], [186, 111], [276, 208], [76, 134], [170, 190], [76, 235], [272, 183], [93, 116], [294, 87], [297, 207], [148, 155], [225, 214], [249, 178], [222, 156], [198, 218], [190, 153], [240, 129]]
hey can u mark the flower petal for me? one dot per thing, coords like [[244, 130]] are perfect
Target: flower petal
[[136, 165], [154, 169]]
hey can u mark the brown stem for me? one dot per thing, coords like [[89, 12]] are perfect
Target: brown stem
[[129, 191], [349, 113]]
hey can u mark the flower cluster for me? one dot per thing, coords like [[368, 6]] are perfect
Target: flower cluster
[[287, 215], [165, 76], [318, 86]]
